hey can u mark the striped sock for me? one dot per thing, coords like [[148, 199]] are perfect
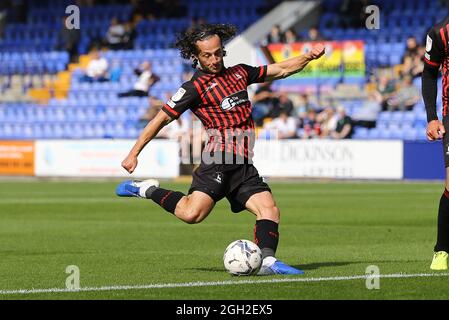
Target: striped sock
[[266, 236], [167, 199]]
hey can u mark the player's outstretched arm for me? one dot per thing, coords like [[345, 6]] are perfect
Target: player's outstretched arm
[[148, 133], [291, 66]]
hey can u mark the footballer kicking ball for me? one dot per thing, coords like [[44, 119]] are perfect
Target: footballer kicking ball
[[242, 258]]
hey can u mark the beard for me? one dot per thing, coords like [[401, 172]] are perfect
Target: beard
[[212, 69]]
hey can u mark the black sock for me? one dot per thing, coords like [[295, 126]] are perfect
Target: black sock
[[167, 199], [266, 237], [443, 224]]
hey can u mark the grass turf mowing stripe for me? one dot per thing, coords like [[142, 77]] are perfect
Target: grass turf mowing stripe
[[220, 283]]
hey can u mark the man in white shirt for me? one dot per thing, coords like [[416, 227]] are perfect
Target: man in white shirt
[[144, 82], [115, 35], [282, 127], [97, 68]]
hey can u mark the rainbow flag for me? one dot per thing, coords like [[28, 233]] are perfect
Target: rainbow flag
[[342, 58]]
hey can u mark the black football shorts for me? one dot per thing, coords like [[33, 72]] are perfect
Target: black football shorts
[[236, 182]]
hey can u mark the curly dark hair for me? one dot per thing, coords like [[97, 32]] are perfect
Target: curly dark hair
[[186, 42]]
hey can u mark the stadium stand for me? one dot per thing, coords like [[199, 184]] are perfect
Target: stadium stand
[[43, 98]]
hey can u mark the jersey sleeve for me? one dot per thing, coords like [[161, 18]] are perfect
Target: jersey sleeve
[[185, 98], [435, 46], [255, 74]]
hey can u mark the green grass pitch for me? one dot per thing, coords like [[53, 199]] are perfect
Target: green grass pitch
[[330, 230]]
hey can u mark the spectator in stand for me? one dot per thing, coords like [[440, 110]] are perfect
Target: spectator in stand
[[386, 88], [283, 104], [366, 116], [304, 105], [129, 36], [309, 127], [68, 40], [282, 127], [411, 50], [154, 106], [275, 35], [290, 36], [176, 130], [328, 121], [97, 68], [406, 97], [263, 102], [146, 79], [314, 35], [413, 65], [344, 127], [115, 35]]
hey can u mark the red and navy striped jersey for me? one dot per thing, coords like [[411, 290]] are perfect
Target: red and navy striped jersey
[[437, 54], [222, 104]]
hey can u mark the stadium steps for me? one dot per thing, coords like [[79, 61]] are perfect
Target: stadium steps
[[41, 95], [60, 87]]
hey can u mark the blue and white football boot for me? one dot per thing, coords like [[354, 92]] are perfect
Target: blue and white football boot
[[135, 188], [271, 266]]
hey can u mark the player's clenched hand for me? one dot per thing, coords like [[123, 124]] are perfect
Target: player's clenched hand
[[435, 130], [317, 51], [130, 163]]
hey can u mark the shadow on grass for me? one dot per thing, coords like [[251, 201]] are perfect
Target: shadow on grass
[[319, 265], [212, 269], [310, 266]]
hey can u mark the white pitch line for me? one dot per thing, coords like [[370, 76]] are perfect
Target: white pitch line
[[217, 283]]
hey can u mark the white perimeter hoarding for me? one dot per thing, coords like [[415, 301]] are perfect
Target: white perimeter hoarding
[[102, 158], [346, 159]]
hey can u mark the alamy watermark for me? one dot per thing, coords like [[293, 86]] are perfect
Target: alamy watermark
[[372, 22], [373, 277], [73, 20], [218, 146], [72, 282]]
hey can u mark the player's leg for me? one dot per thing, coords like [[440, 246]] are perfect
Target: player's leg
[[266, 233], [249, 191], [441, 249], [191, 208], [194, 207], [207, 188]]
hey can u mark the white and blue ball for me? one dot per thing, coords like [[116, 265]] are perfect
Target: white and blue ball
[[242, 258]]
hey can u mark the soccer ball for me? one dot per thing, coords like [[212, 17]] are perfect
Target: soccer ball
[[242, 258]]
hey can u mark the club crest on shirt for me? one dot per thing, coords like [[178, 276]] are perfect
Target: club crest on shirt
[[234, 100], [212, 85], [218, 177]]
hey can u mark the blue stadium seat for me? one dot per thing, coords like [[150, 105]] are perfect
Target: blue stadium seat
[[361, 133]]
